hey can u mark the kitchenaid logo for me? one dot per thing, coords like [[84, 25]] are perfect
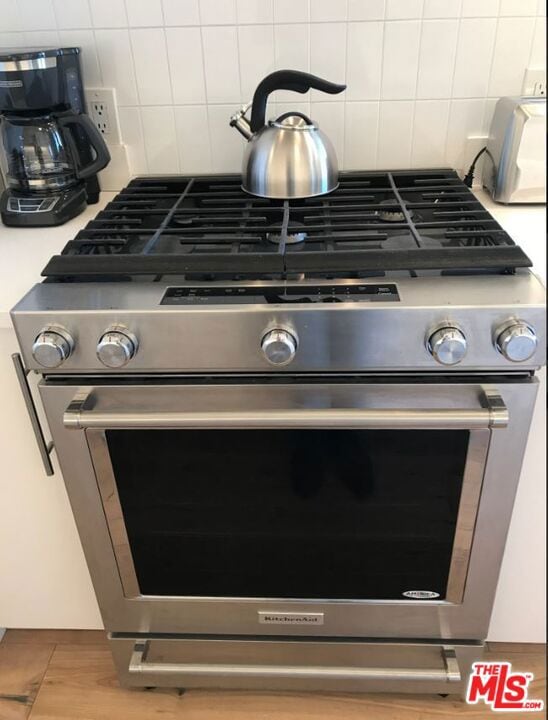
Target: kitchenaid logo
[[421, 594], [496, 685], [268, 618]]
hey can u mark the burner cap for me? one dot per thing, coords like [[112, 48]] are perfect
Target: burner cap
[[392, 214], [294, 235]]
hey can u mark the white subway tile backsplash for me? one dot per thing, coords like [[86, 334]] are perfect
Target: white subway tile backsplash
[[364, 57], [256, 56], [474, 55], [254, 12], [422, 75], [437, 58], [160, 139], [184, 46], [116, 64], [442, 8], [108, 13], [132, 132], [144, 13], [366, 9], [328, 55], [11, 17], [395, 135], [465, 120], [480, 8], [12, 40], [330, 118], [192, 128], [37, 14], [73, 14], [227, 145], [400, 60], [360, 135], [274, 110], [488, 113], [290, 11], [429, 133], [85, 40], [518, 7], [181, 12], [403, 9], [42, 38], [292, 47], [151, 68], [218, 12], [512, 51], [291, 51], [328, 10], [538, 49], [221, 63]]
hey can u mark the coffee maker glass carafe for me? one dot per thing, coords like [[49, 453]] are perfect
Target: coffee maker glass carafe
[[40, 154]]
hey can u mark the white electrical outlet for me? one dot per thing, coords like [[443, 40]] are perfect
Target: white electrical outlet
[[534, 83], [101, 104]]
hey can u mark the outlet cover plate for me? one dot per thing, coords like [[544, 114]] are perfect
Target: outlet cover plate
[[101, 104], [534, 82]]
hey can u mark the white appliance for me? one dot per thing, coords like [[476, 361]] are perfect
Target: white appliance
[[515, 168]]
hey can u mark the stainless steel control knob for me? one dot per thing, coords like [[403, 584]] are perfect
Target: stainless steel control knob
[[448, 345], [279, 347], [52, 347], [116, 347], [517, 341]]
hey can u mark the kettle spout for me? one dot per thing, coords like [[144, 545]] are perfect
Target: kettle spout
[[241, 123]]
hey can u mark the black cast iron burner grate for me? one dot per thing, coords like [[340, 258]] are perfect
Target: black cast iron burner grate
[[206, 226]]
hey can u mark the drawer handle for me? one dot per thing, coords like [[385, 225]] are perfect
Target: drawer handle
[[44, 447], [450, 673]]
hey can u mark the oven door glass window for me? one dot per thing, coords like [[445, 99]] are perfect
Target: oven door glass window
[[340, 514]]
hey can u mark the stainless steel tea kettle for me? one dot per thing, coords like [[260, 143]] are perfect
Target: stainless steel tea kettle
[[289, 157]]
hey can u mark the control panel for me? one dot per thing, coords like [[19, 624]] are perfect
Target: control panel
[[282, 294]]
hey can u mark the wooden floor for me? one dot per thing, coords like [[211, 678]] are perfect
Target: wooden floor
[[69, 675]]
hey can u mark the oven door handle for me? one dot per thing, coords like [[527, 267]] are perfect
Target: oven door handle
[[491, 412], [449, 673]]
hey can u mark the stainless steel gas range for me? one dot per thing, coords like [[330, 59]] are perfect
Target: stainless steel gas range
[[291, 432]]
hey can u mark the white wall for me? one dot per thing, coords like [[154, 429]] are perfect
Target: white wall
[[422, 74]]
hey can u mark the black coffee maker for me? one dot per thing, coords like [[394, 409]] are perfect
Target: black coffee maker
[[50, 151]]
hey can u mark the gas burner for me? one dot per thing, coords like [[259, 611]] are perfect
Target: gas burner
[[294, 235], [393, 214], [208, 227]]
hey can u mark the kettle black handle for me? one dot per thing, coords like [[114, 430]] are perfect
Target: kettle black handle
[[95, 140], [300, 82]]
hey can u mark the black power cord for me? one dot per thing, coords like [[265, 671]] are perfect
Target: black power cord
[[469, 177]]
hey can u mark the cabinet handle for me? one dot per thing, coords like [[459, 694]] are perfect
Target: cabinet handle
[[44, 447]]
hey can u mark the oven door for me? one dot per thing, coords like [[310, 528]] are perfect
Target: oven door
[[363, 509]]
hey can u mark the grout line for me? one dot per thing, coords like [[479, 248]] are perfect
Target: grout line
[[355, 101], [207, 103], [378, 132], [343, 149], [236, 27], [419, 49], [493, 53]]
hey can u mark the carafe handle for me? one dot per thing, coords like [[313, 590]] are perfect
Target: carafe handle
[[102, 155]]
